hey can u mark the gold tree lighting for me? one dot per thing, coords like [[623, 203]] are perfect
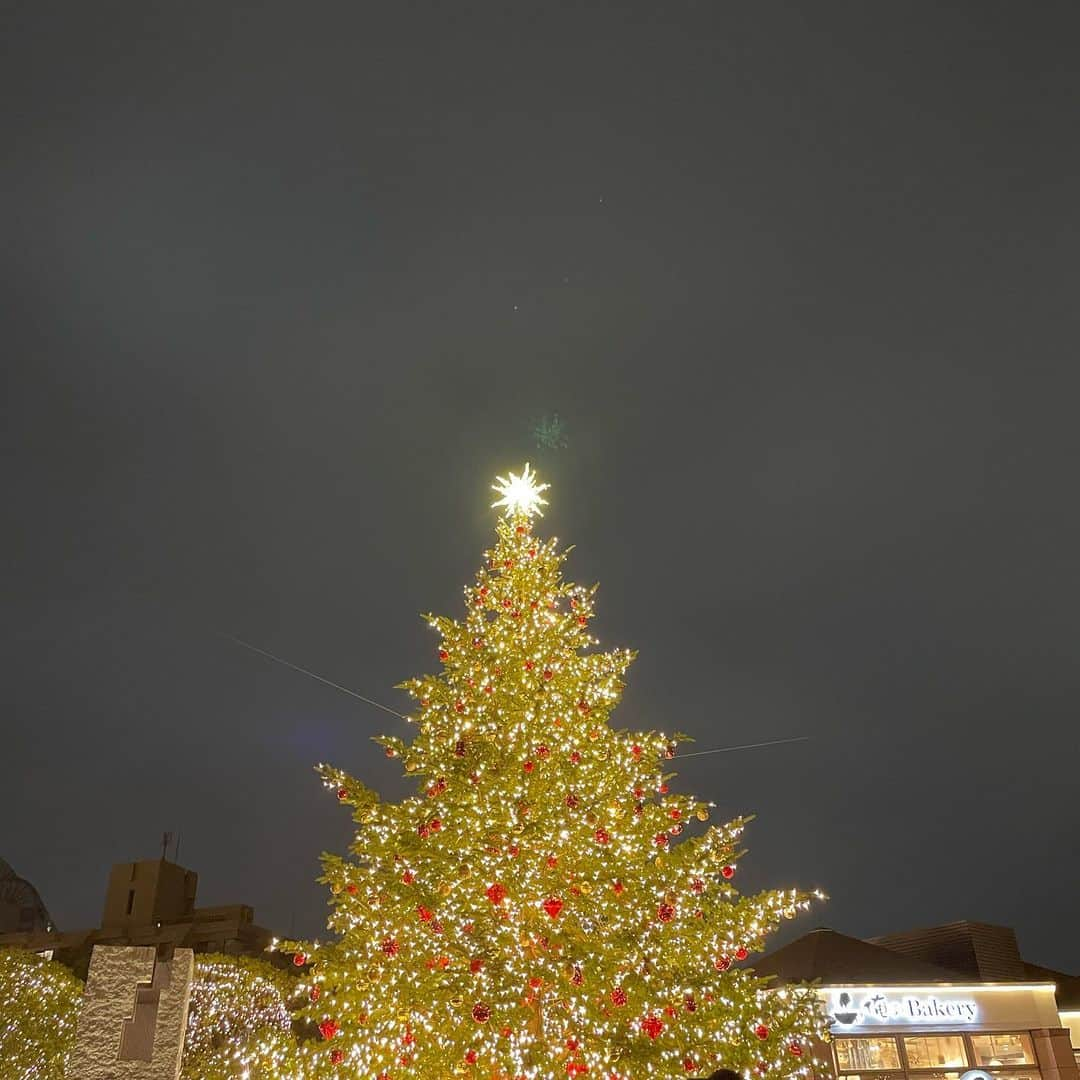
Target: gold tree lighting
[[545, 905], [39, 1008], [239, 1024]]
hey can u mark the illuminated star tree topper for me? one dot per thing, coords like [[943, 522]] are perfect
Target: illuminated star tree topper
[[520, 494]]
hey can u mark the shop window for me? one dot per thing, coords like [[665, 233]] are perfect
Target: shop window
[[1016, 1074], [867, 1076], [935, 1051], [1013, 1048], [856, 1055]]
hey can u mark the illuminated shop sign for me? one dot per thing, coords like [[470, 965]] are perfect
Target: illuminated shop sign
[[855, 1008]]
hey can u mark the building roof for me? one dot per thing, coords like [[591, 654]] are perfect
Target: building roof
[[980, 951], [956, 952], [836, 958], [1068, 986]]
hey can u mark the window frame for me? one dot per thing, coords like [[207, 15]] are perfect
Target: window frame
[[992, 1069], [1033, 1071], [927, 1069], [900, 1067]]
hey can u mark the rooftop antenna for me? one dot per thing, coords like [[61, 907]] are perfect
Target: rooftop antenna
[[176, 850], [166, 840]]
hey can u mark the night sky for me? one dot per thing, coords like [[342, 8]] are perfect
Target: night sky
[[285, 286]]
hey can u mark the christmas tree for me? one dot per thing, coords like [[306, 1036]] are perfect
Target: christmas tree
[[545, 905]]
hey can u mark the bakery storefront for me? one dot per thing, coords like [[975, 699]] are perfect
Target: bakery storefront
[[948, 1003], [983, 1032]]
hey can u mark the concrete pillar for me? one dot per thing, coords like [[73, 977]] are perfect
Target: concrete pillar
[[1054, 1053], [134, 1015]]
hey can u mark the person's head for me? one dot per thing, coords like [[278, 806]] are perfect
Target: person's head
[[725, 1074]]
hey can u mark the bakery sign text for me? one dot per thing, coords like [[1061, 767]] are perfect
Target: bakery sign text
[[853, 1008]]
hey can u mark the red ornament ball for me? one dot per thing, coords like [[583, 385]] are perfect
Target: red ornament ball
[[299, 959], [652, 1026], [342, 793], [528, 766], [553, 905], [762, 1032], [337, 1056], [470, 1057], [443, 654], [728, 872], [741, 953], [722, 963], [314, 993], [601, 836], [481, 1012], [496, 893], [390, 946], [328, 1029], [618, 996], [795, 1049], [665, 912]]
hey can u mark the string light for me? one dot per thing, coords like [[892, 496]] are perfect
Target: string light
[[39, 1008], [545, 904]]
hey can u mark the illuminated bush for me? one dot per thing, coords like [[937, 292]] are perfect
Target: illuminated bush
[[239, 1023], [39, 1007]]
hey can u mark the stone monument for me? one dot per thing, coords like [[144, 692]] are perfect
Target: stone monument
[[134, 1014]]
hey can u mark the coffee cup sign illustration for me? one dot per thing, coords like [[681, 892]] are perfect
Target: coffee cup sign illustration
[[846, 1012]]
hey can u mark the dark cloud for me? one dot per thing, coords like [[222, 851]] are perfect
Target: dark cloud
[[286, 287]]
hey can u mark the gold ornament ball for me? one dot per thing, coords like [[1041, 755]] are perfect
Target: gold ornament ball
[[702, 814]]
